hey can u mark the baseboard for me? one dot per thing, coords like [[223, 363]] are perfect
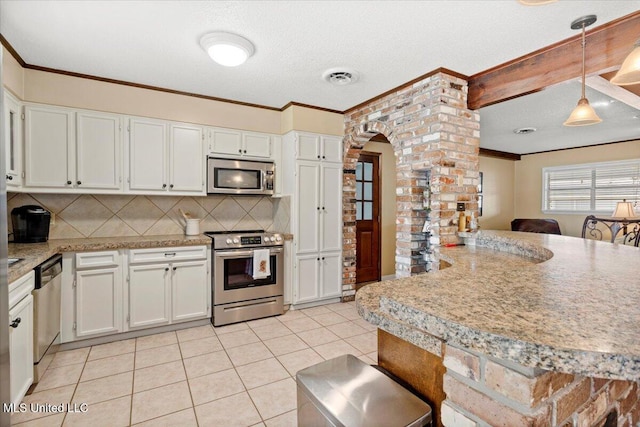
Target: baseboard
[[388, 277]]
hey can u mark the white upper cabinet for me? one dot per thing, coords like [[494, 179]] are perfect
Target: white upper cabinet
[[256, 144], [70, 150], [318, 147], [147, 155], [331, 147], [225, 141], [49, 147], [13, 140], [186, 159], [233, 143], [98, 151], [165, 158]]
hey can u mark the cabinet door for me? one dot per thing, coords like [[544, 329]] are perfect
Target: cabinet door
[[49, 147], [224, 141], [256, 144], [331, 207], [331, 149], [13, 140], [21, 348], [147, 155], [98, 301], [186, 159], [308, 207], [305, 284], [149, 295], [330, 275], [189, 291], [307, 147], [98, 151]]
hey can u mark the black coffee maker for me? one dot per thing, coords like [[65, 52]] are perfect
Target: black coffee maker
[[30, 224]]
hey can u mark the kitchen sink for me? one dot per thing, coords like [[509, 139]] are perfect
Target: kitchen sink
[[12, 261]]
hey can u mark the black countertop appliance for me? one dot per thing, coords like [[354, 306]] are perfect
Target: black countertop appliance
[[30, 224]]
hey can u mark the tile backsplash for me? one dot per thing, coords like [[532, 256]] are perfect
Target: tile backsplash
[[84, 215]]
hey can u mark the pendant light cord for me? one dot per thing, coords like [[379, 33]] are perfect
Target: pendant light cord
[[584, 47]]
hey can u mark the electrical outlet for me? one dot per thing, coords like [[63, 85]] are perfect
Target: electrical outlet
[[461, 207], [53, 218]]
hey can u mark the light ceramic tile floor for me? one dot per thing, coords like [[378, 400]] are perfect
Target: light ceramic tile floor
[[235, 375]]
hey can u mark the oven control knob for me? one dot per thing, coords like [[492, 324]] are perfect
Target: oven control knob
[[236, 240], [267, 239], [229, 241], [278, 239]]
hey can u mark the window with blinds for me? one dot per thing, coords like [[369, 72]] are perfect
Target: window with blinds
[[590, 188]]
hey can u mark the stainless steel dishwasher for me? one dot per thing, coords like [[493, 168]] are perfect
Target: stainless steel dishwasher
[[46, 310]]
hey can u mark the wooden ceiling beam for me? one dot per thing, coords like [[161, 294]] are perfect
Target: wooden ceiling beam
[[607, 46]]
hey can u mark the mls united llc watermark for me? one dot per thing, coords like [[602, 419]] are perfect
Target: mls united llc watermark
[[45, 407]]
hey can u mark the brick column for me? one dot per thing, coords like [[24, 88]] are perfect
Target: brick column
[[435, 138]]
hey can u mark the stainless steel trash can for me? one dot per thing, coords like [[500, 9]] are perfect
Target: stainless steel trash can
[[347, 392]]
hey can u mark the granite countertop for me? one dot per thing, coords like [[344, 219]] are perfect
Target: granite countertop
[[35, 253], [554, 302]]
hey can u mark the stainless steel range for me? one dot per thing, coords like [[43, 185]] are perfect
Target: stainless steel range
[[247, 275]]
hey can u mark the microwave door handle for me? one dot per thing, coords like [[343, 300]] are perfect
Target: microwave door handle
[[264, 180]]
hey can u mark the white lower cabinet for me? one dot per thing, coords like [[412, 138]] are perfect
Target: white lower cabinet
[[189, 286], [168, 285], [149, 294], [98, 294], [318, 277], [110, 292], [21, 336]]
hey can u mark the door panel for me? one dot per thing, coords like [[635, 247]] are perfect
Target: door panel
[[308, 190], [147, 155], [367, 218], [331, 208], [98, 151]]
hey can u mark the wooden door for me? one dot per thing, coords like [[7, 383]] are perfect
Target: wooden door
[[367, 218]]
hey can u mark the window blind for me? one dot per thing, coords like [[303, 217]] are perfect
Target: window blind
[[590, 188]]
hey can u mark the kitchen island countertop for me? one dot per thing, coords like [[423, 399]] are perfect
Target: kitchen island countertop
[[33, 254], [558, 303]]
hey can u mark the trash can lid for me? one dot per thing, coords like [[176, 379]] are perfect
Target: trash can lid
[[351, 393]]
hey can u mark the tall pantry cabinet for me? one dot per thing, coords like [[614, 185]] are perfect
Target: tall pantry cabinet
[[312, 174]]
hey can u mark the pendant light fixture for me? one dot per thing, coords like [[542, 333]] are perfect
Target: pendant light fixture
[[629, 72], [583, 114]]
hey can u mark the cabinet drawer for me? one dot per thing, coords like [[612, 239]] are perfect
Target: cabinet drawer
[[21, 288], [139, 256], [97, 259]]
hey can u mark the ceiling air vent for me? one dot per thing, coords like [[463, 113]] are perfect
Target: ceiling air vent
[[340, 76], [524, 131]]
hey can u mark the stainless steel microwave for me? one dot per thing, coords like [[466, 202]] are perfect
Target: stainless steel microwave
[[229, 176]]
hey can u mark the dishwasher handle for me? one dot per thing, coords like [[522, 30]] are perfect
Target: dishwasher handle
[[47, 271]]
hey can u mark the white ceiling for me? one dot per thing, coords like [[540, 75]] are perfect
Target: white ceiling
[[388, 42]]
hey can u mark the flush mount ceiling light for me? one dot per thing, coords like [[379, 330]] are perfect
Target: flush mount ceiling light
[[629, 72], [524, 131], [227, 49], [583, 114], [536, 2], [340, 76]]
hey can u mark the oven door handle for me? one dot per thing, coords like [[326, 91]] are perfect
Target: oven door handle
[[238, 254]]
